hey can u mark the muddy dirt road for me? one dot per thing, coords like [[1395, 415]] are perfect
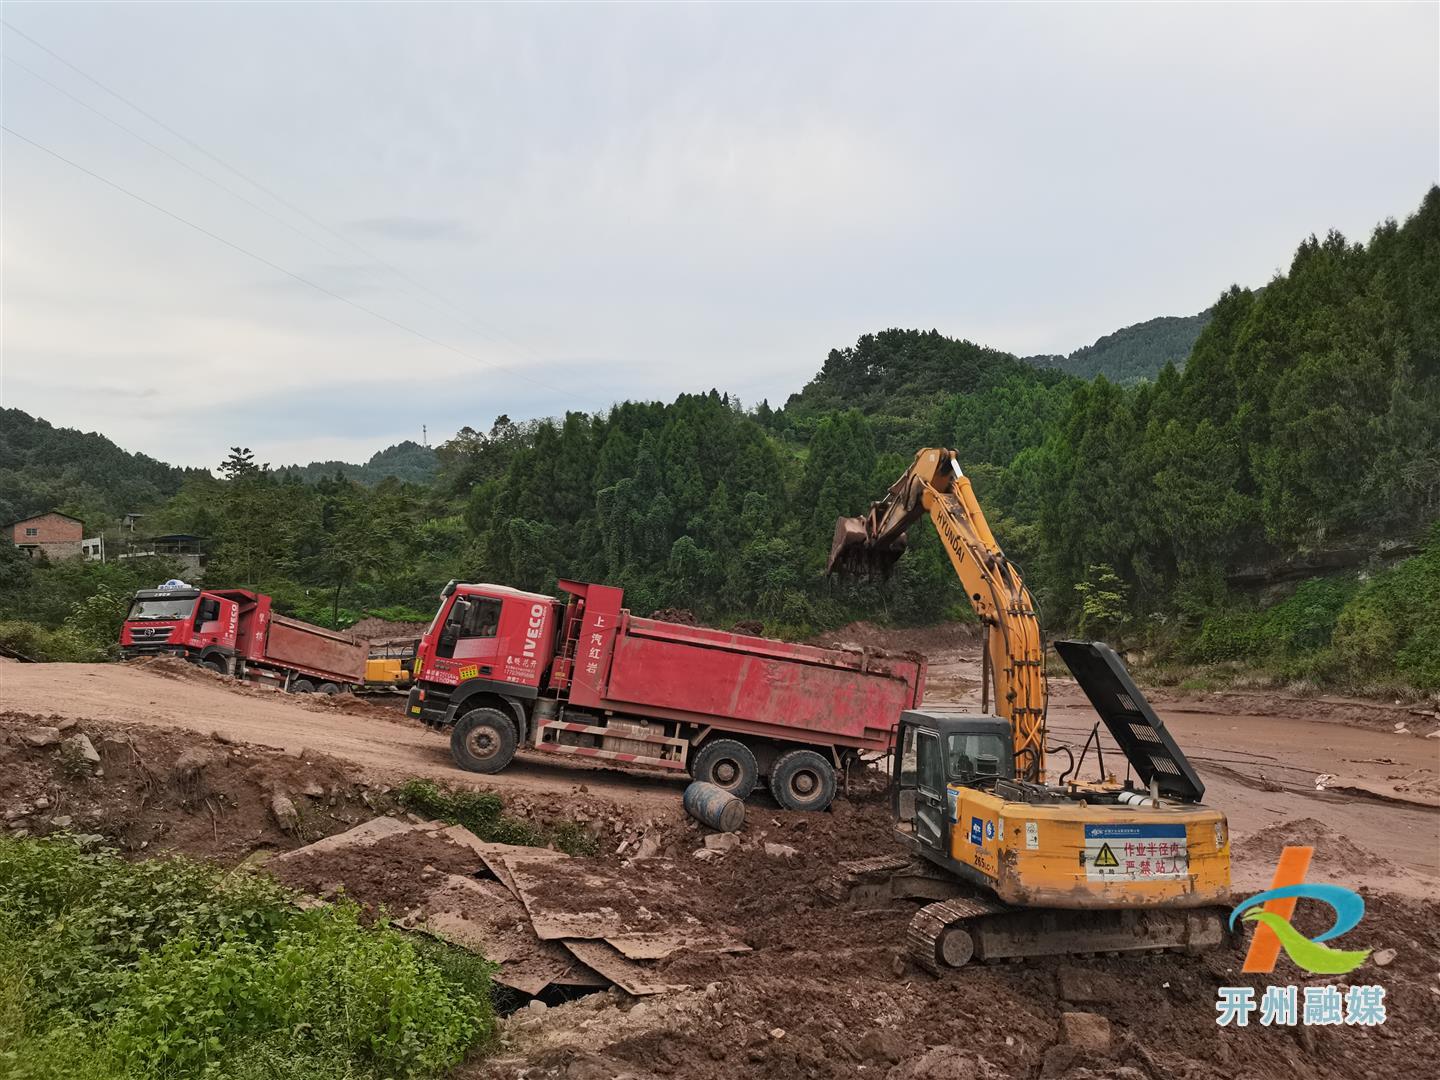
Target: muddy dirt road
[[1261, 768], [373, 734]]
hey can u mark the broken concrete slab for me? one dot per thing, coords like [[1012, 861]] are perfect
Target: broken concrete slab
[[575, 902], [493, 855], [631, 977], [361, 835], [661, 944], [484, 917]]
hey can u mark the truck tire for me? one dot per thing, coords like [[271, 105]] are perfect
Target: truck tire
[[483, 741], [215, 664], [302, 686], [802, 780], [727, 764], [328, 688]]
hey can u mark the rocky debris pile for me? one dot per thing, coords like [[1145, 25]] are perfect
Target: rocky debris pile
[[148, 790], [683, 616], [552, 923]]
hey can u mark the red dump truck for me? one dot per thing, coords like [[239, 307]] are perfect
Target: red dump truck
[[235, 632], [501, 669]]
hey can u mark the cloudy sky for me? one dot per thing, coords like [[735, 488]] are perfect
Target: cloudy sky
[[525, 209]]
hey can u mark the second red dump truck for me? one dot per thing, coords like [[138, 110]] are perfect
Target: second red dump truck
[[499, 669], [235, 632]]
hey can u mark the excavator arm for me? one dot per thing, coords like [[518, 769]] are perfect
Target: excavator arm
[[935, 484]]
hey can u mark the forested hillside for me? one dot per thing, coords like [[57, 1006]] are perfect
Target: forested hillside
[[43, 467], [408, 461], [1306, 419], [1134, 353]]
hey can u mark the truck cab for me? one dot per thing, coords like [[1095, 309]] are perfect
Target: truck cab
[[181, 621], [487, 640]]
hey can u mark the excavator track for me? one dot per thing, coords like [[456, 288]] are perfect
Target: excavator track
[[950, 933], [941, 934]]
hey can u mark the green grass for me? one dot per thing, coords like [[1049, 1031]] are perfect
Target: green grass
[[484, 814], [1371, 634], [172, 968]]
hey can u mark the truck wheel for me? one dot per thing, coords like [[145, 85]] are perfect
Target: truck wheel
[[727, 764], [483, 741], [802, 780], [328, 688], [302, 686], [215, 664]]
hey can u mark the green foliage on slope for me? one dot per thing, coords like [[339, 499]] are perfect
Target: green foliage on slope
[[43, 467], [1134, 353], [406, 461]]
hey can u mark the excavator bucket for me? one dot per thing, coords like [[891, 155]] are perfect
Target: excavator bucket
[[853, 553]]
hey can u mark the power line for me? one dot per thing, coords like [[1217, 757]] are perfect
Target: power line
[[465, 318], [178, 160], [266, 262]]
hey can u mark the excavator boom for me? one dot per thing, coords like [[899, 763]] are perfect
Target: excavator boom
[[1015, 653]]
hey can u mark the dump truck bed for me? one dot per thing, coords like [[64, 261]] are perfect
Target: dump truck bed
[[314, 649], [736, 682]]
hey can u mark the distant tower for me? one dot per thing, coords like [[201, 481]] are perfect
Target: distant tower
[[424, 436]]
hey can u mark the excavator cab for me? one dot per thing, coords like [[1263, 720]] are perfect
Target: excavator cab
[[937, 748]]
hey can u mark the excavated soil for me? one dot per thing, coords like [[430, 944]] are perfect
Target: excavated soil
[[167, 791], [827, 993], [384, 630]]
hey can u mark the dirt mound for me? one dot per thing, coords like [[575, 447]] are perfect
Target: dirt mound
[[751, 627], [1330, 846], [926, 640], [159, 791], [376, 630], [172, 667], [683, 616]]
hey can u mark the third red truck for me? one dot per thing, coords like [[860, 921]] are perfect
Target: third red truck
[[500, 669]]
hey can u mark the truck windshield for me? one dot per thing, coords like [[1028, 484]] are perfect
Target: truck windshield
[[161, 609]]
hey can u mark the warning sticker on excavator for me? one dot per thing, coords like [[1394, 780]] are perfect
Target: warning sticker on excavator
[[1136, 852]]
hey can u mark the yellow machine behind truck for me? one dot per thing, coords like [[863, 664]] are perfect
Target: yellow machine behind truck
[[1019, 864]]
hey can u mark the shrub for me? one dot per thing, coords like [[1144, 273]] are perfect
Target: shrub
[[172, 968], [1392, 625], [483, 814]]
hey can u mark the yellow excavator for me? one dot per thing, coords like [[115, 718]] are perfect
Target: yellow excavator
[[1018, 864]]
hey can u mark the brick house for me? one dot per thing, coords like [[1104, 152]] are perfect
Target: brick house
[[56, 535]]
